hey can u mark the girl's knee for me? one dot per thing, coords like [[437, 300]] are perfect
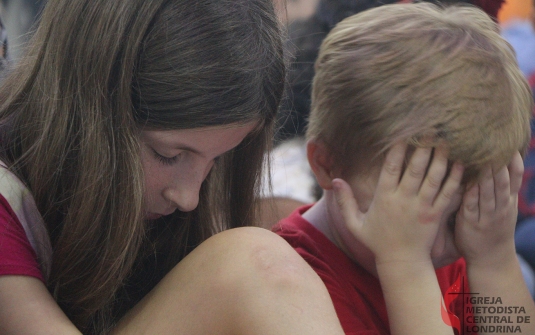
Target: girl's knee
[[256, 252], [237, 280]]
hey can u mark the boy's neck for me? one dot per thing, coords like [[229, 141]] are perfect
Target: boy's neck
[[325, 216]]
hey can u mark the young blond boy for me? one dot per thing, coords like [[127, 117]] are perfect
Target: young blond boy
[[419, 115]]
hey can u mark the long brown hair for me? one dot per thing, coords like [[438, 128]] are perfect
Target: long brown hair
[[95, 73]]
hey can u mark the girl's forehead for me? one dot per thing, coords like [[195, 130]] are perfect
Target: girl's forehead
[[201, 140]]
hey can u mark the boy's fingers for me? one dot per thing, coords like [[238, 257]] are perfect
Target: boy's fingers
[[451, 187], [392, 167], [346, 202], [433, 180], [516, 170], [414, 174], [487, 202], [502, 191], [469, 210]]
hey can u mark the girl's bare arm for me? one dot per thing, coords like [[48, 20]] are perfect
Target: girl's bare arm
[[26, 307]]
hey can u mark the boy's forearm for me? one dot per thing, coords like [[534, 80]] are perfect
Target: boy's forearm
[[413, 299], [502, 298]]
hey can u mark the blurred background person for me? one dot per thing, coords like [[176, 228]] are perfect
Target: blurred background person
[[19, 16], [295, 10], [3, 48], [520, 32]]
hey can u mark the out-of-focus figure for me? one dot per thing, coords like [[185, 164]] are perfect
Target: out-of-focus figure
[[3, 47], [18, 17], [521, 34], [295, 10]]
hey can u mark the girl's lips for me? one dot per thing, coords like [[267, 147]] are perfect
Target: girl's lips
[[153, 216]]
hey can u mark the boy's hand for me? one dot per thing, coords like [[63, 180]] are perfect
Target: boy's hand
[[404, 216], [485, 225]]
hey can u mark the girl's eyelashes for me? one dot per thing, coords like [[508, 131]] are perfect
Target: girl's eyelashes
[[166, 160]]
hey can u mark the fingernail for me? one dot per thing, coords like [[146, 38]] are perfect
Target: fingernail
[[337, 185]]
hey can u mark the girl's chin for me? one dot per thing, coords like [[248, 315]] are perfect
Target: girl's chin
[[152, 216]]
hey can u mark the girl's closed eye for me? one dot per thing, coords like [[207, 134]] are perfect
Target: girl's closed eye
[[166, 160]]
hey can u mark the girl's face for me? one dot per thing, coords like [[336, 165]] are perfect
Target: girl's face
[[176, 162]]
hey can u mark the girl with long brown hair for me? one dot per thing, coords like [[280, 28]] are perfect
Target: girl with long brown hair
[[132, 137]]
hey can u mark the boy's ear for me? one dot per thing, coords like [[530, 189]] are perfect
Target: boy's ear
[[321, 162]]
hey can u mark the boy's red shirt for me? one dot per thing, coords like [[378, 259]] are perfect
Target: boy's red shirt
[[356, 294]]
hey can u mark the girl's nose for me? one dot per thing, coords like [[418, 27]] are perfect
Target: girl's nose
[[184, 197], [185, 194]]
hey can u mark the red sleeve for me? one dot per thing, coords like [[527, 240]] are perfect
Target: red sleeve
[[17, 256]]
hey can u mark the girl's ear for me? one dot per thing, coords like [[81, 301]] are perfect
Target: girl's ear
[[321, 162]]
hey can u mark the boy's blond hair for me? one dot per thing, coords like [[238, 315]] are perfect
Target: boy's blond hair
[[432, 75]]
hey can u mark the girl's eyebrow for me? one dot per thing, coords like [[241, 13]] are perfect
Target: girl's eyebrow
[[187, 148]]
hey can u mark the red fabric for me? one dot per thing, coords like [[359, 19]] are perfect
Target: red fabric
[[17, 256], [531, 80], [491, 7], [356, 294]]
